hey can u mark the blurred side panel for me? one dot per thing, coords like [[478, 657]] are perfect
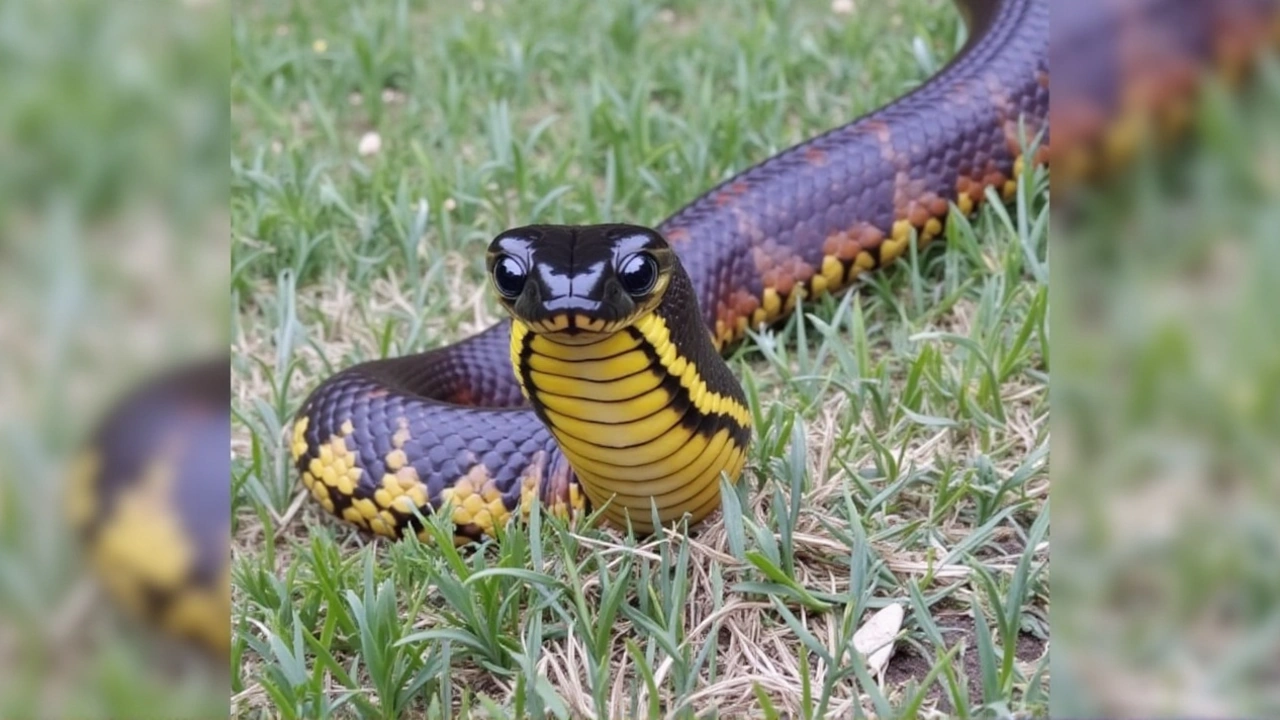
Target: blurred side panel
[[114, 419], [1166, 390]]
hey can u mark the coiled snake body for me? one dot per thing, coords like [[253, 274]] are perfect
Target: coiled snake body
[[649, 425]]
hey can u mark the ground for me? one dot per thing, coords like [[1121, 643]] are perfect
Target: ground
[[902, 454]]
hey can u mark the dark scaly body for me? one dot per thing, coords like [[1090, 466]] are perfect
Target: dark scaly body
[[478, 437], [148, 498], [383, 437], [847, 201], [1125, 70]]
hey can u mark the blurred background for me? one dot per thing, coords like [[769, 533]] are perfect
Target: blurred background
[[113, 271], [1166, 386]]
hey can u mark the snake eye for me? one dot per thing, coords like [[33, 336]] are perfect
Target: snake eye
[[509, 276], [638, 273]]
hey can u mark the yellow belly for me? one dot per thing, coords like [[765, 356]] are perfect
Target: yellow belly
[[636, 434]]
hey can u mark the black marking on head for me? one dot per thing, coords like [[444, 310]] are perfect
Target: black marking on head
[[579, 278]]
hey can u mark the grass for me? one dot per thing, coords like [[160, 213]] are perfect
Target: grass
[[902, 449]]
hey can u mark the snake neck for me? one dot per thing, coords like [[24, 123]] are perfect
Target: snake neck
[[649, 413]]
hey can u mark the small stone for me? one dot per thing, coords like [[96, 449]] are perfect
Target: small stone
[[875, 639], [370, 144]]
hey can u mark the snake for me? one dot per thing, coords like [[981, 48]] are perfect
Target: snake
[[458, 428], [147, 498], [605, 391]]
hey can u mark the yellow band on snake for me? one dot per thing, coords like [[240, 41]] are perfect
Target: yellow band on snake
[[608, 345]]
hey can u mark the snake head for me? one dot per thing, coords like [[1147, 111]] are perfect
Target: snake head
[[580, 281]]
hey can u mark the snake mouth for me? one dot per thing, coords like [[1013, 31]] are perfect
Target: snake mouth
[[573, 316], [575, 327]]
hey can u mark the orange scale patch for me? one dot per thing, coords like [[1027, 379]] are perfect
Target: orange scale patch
[[764, 260], [779, 266], [917, 214], [905, 192], [868, 237], [995, 178], [730, 193], [785, 283], [924, 214], [935, 204], [744, 303], [971, 190], [841, 246], [802, 269], [1011, 141]]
